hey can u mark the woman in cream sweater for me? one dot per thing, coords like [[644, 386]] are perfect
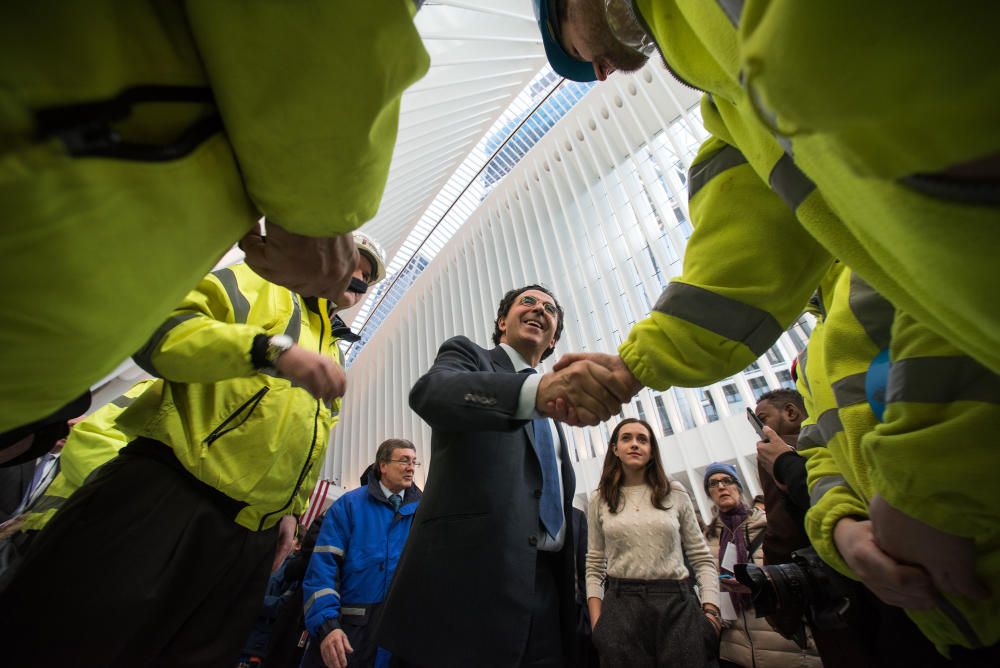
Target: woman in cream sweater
[[641, 527]]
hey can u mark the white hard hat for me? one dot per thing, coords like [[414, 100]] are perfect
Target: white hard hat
[[375, 255]]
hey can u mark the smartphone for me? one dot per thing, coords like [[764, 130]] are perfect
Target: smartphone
[[757, 425]]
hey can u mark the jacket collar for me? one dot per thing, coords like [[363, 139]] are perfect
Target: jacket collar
[[501, 361], [410, 496]]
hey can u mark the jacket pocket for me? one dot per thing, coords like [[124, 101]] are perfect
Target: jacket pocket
[[237, 417]]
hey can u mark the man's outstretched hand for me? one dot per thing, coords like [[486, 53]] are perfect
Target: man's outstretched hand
[[577, 401], [591, 389], [309, 266]]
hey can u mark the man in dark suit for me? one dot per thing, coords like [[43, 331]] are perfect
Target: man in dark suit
[[487, 576]]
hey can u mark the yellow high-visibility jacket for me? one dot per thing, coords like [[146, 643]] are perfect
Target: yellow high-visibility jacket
[[193, 119], [850, 178], [928, 457], [249, 434], [90, 444]]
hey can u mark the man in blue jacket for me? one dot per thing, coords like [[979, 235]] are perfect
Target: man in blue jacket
[[354, 560]]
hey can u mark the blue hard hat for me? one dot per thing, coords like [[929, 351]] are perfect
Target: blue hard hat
[[564, 64]]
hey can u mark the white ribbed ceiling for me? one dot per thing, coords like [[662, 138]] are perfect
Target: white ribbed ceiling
[[483, 53]]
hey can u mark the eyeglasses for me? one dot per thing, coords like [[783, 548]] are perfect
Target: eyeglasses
[[406, 461], [531, 300], [721, 482]]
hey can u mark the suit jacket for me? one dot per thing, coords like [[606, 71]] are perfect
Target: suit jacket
[[462, 588]]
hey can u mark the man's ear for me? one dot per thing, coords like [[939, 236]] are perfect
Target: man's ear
[[501, 325], [792, 412]]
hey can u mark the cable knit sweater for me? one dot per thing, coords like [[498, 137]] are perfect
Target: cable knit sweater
[[648, 543]]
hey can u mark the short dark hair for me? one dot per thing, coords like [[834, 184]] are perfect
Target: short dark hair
[[778, 399], [385, 450], [508, 301]]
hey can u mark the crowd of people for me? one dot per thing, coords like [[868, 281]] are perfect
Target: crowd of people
[[141, 141]]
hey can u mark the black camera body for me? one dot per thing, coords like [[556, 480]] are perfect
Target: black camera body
[[803, 590]]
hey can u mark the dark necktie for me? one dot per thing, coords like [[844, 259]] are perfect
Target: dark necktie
[[396, 500], [550, 505]]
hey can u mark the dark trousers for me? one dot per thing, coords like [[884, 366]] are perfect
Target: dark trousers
[[654, 624], [544, 648], [143, 566], [879, 635]]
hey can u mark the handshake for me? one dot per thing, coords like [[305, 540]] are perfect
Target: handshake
[[585, 389]]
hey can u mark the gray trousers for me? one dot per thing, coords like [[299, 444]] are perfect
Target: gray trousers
[[654, 624]]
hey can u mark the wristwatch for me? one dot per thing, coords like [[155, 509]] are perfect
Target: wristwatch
[[277, 346]]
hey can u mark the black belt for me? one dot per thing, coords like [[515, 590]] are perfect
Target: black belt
[[629, 586]]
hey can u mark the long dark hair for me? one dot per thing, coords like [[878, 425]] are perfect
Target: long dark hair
[[613, 475]]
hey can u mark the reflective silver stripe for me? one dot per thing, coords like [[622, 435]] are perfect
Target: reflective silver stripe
[[355, 612], [295, 322], [790, 183], [850, 390], [317, 594], [706, 170], [733, 10], [241, 307], [825, 484], [810, 437], [123, 401], [144, 358], [803, 357], [329, 549], [756, 329], [872, 310], [940, 380], [830, 424]]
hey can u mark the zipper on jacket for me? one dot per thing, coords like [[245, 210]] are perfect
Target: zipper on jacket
[[222, 429], [312, 446], [645, 26]]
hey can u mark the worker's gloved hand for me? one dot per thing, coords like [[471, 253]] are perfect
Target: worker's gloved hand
[[310, 266], [318, 374]]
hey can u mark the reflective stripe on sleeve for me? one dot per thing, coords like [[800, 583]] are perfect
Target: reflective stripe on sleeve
[[810, 436], [706, 170], [318, 594], [330, 549], [733, 9], [295, 322], [939, 380], [850, 390], [790, 183], [830, 424], [144, 358], [736, 321], [241, 307], [872, 310], [824, 485], [123, 401]]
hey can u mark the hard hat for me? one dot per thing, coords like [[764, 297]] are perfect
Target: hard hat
[[564, 64], [375, 255]]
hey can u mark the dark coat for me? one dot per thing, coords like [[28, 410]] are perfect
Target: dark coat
[[462, 591]]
